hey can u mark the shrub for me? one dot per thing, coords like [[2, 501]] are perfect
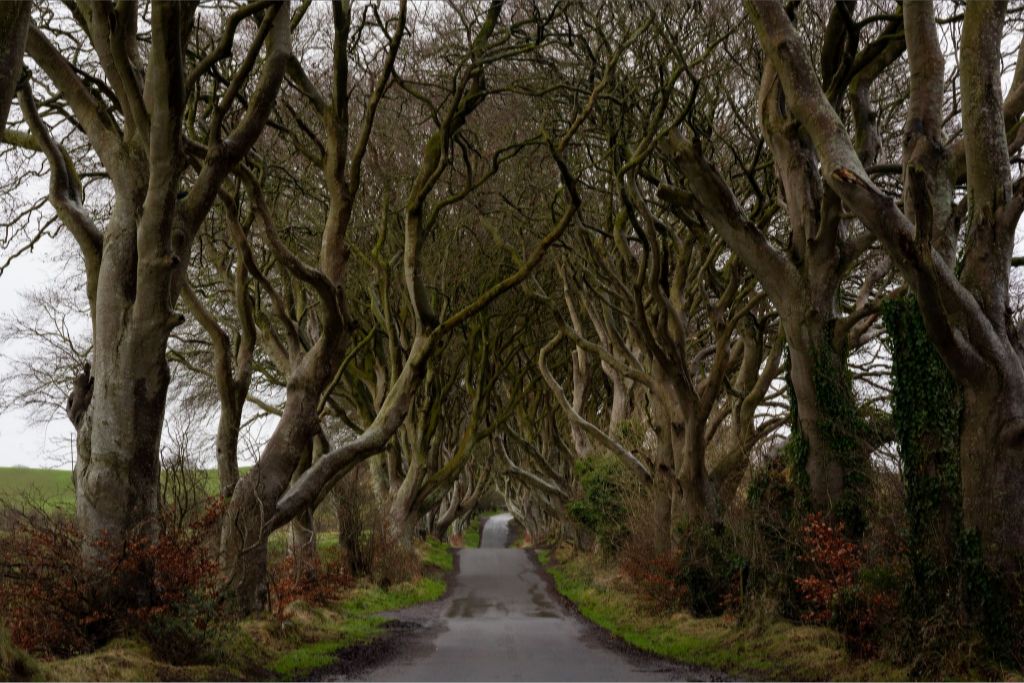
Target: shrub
[[43, 587], [56, 605], [599, 507], [366, 539], [769, 526], [833, 562], [841, 591], [712, 568], [704, 575], [320, 584], [654, 575]]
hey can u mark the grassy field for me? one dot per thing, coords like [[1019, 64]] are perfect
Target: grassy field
[[774, 650], [53, 487]]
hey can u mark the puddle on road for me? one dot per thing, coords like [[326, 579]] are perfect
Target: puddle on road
[[473, 606], [541, 602]]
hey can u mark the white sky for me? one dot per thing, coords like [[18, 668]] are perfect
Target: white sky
[[22, 441]]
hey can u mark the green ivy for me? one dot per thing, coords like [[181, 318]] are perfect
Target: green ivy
[[842, 427], [600, 506], [949, 582], [926, 407]]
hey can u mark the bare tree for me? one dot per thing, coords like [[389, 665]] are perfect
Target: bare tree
[[131, 108], [964, 298]]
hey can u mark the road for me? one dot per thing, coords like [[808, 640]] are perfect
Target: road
[[502, 622]]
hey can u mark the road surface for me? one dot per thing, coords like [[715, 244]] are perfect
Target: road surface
[[502, 622]]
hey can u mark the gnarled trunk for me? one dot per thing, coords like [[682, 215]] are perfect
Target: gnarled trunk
[[244, 536], [117, 476], [992, 468], [832, 451]]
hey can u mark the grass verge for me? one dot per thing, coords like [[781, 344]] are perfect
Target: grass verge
[[307, 639], [353, 622], [776, 650]]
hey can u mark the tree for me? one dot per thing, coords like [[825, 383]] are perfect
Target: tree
[[267, 497], [14, 21], [964, 299], [805, 274], [163, 183]]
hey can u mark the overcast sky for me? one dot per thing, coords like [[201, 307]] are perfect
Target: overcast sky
[[22, 440]]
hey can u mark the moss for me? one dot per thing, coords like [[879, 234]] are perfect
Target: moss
[[15, 664], [773, 650]]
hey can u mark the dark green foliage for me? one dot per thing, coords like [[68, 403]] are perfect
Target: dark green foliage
[[774, 511], [951, 596], [712, 567], [926, 408], [844, 429], [600, 505], [189, 632], [704, 575]]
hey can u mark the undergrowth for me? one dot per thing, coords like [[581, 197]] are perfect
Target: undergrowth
[[764, 648]]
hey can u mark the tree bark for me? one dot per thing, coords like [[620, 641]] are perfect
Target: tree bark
[[244, 537], [14, 20], [228, 428], [992, 469]]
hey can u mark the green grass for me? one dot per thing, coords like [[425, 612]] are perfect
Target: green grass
[[773, 650], [55, 489], [471, 537], [438, 554], [357, 623], [50, 487]]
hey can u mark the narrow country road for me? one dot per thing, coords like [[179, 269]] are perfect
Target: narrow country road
[[502, 622]]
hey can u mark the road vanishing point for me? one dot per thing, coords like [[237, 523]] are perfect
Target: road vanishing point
[[502, 621]]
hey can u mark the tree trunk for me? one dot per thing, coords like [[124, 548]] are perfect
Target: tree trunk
[[243, 537], [926, 411], [117, 477], [402, 511], [992, 465], [580, 440], [833, 455], [699, 505], [302, 543], [228, 428], [14, 21], [622, 402]]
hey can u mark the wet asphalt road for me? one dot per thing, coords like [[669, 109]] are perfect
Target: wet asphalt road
[[502, 622]]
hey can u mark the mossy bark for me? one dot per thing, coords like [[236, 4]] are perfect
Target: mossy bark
[[926, 405]]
